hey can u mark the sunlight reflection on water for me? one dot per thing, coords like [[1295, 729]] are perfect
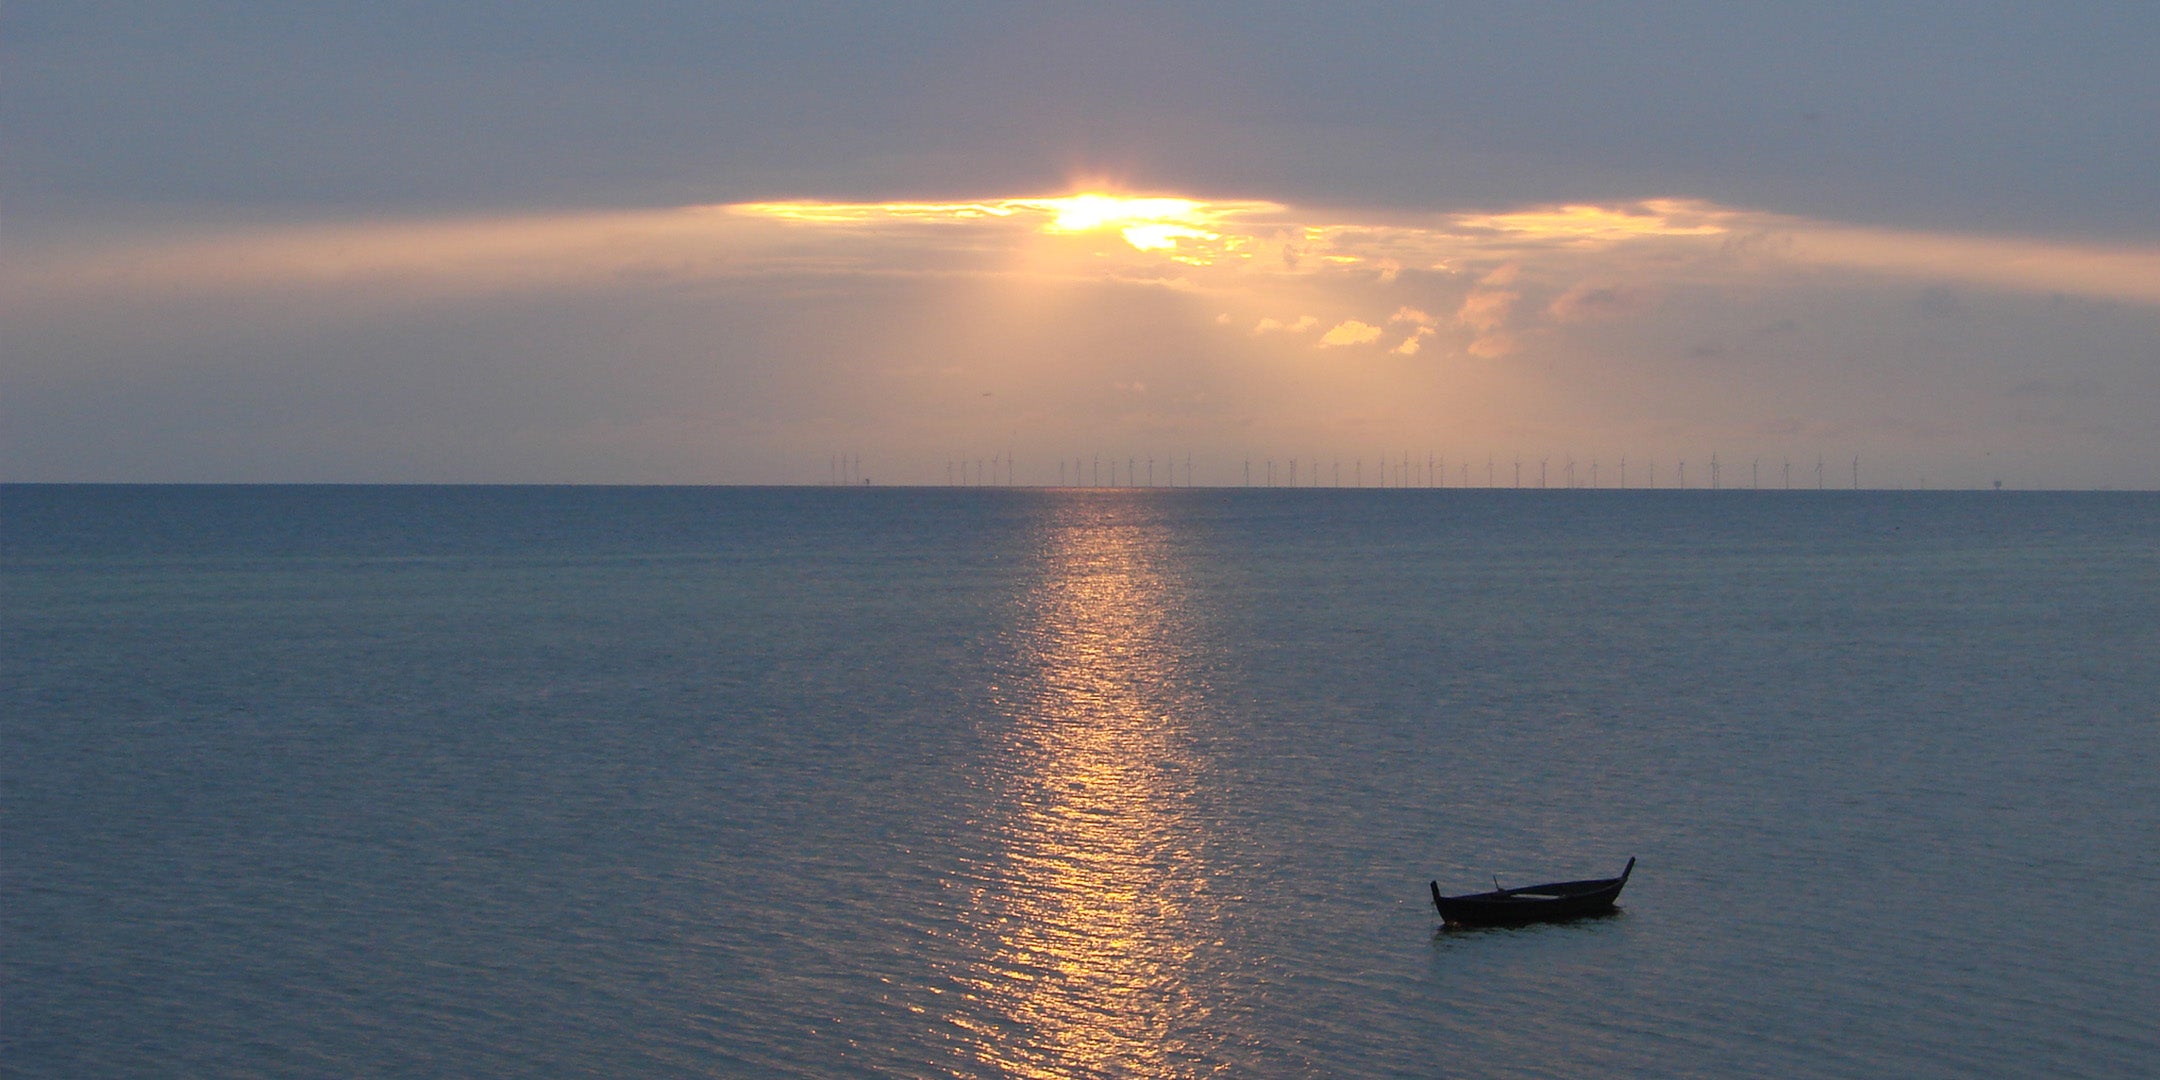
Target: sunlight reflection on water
[[594, 782], [1097, 904]]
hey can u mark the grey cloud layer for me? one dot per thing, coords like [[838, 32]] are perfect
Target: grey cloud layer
[[2015, 118]]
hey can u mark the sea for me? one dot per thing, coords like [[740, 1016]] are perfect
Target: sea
[[981, 782]]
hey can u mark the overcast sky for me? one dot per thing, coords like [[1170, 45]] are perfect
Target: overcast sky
[[715, 243]]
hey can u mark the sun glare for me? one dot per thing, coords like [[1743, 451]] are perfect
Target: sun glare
[[1091, 210], [1146, 223], [1149, 224]]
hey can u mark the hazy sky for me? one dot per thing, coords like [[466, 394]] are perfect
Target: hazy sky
[[714, 243]]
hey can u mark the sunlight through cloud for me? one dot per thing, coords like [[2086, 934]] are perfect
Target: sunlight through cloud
[[1029, 306], [1146, 223]]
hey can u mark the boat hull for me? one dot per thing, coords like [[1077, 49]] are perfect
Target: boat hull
[[1550, 902]]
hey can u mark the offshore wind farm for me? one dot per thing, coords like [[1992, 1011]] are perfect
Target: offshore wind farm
[[1407, 471]]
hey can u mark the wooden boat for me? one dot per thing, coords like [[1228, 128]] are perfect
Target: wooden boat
[[1531, 903]]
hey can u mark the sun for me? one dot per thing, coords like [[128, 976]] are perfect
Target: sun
[[1184, 230], [1094, 210], [1151, 223]]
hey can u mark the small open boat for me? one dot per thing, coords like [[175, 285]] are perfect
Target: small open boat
[[1531, 903]]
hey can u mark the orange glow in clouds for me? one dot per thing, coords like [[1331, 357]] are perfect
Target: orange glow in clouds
[[1146, 223]]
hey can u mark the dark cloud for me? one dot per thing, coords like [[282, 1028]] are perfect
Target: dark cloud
[[1936, 115]]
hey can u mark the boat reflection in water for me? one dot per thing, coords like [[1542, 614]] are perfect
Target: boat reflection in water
[[1092, 914]]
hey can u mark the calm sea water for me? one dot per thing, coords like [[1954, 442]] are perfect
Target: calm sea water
[[621, 782]]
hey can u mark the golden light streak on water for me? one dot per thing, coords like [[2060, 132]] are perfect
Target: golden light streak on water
[[1099, 909]]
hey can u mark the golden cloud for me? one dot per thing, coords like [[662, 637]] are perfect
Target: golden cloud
[[1619, 255], [1592, 224], [1349, 332], [1276, 326], [1150, 223], [1410, 345]]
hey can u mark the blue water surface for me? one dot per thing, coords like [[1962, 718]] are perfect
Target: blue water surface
[[409, 781]]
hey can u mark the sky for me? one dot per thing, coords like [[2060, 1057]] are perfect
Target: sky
[[674, 242]]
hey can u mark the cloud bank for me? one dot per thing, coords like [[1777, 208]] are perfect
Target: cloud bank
[[753, 334]]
